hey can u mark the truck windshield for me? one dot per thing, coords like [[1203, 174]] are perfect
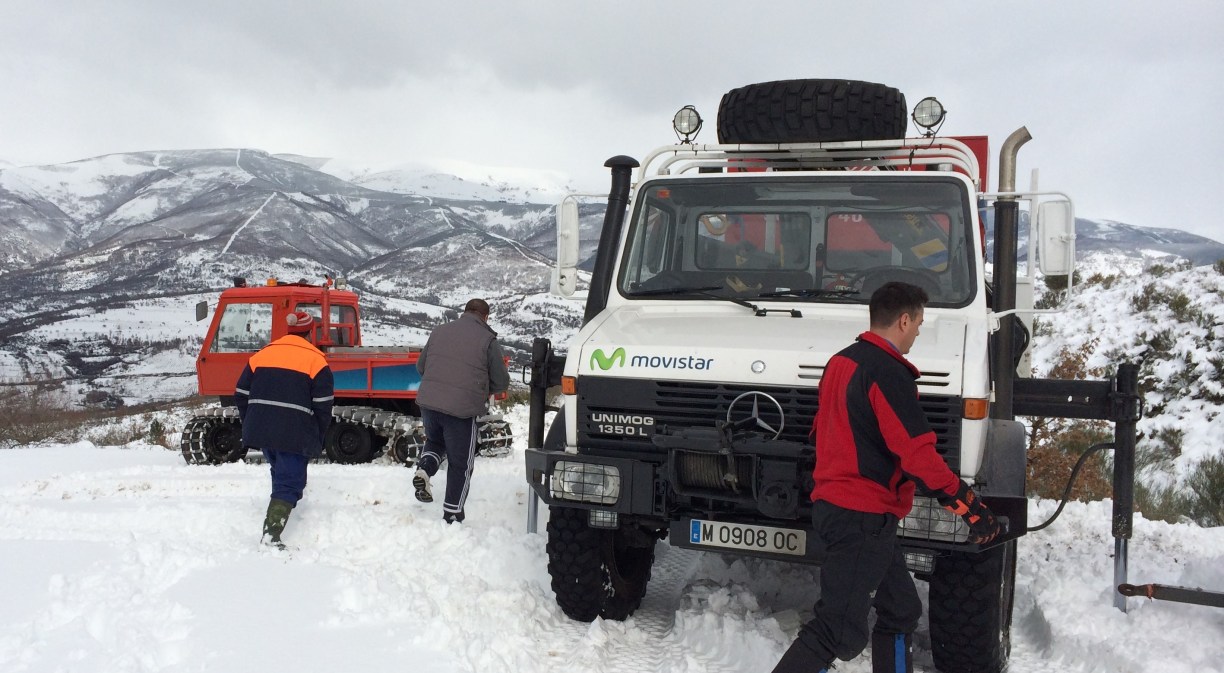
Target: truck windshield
[[813, 239]]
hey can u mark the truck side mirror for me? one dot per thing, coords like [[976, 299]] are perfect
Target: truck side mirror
[[1055, 234], [565, 275], [201, 311]]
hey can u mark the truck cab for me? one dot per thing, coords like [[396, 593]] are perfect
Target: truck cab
[[247, 318]]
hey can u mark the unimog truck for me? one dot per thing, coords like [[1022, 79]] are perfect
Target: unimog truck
[[726, 276]]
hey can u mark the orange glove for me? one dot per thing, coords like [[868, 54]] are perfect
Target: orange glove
[[983, 527]]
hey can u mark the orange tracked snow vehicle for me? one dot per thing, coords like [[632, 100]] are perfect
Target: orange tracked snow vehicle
[[376, 386]]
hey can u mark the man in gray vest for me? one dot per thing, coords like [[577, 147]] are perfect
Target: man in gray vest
[[461, 365]]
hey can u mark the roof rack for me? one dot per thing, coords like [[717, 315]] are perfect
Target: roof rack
[[848, 155]]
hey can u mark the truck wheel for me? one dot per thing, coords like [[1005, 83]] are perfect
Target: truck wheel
[[595, 572], [407, 449], [970, 610], [811, 110], [348, 443], [212, 441]]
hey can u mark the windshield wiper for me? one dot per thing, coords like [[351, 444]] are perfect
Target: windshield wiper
[[708, 291], [704, 291], [810, 292]]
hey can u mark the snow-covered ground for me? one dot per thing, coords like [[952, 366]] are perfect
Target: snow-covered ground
[[124, 559]]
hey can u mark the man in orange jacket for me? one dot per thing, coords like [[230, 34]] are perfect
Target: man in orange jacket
[[284, 397]]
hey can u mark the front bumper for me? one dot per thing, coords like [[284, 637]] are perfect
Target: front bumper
[[635, 487]]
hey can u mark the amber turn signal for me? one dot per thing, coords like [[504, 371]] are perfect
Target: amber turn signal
[[569, 385], [976, 408]]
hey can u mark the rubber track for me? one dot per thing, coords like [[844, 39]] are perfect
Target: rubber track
[[495, 437]]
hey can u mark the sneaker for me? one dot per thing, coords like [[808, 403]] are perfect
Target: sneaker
[[453, 517], [420, 481]]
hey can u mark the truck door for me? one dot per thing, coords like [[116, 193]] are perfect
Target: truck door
[[237, 332]]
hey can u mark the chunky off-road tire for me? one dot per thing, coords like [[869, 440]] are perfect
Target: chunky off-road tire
[[348, 443], [811, 110], [595, 572], [970, 611], [212, 441]]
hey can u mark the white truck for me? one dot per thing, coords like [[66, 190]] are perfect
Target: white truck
[[724, 279]]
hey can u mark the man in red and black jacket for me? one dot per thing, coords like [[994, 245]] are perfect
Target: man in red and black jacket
[[873, 449], [284, 397]]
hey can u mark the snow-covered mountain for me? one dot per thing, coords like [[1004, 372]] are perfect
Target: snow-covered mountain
[[1105, 246], [99, 254], [455, 180], [102, 260]]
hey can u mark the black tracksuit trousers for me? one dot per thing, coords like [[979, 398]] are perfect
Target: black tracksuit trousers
[[455, 438], [863, 569]]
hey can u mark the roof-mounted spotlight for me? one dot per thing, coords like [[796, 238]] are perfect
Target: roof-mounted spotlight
[[929, 114], [687, 123]]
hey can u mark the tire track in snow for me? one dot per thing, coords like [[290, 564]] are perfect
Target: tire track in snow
[[646, 643]]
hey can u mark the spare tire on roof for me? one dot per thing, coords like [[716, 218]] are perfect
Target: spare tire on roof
[[811, 110]]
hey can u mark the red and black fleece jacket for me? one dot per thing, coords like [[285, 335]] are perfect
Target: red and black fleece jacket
[[285, 396], [873, 442]]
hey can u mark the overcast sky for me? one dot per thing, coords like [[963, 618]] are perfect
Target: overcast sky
[[1122, 98]]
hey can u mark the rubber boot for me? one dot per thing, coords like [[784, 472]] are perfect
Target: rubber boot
[[892, 653], [274, 522]]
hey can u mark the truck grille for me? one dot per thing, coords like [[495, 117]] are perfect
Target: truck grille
[[682, 404]]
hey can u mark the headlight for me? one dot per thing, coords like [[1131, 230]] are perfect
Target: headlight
[[930, 521], [585, 482], [928, 113], [687, 123]]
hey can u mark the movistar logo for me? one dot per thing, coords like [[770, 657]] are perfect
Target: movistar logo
[[605, 362], [620, 359]]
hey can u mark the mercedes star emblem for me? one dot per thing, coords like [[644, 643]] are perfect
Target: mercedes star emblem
[[746, 410]]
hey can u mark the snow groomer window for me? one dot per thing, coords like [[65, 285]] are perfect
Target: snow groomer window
[[244, 328]]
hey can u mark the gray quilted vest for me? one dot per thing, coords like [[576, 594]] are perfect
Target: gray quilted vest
[[456, 376]]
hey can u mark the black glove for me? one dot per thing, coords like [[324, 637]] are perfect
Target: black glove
[[983, 527]]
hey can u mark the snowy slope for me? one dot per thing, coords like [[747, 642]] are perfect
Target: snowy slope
[[122, 559], [455, 180], [1170, 322]]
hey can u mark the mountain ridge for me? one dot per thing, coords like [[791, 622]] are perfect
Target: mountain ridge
[[83, 243]]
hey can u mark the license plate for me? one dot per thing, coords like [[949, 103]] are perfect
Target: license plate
[[754, 538]]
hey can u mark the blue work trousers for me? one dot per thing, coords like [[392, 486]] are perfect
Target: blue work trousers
[[288, 474]]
